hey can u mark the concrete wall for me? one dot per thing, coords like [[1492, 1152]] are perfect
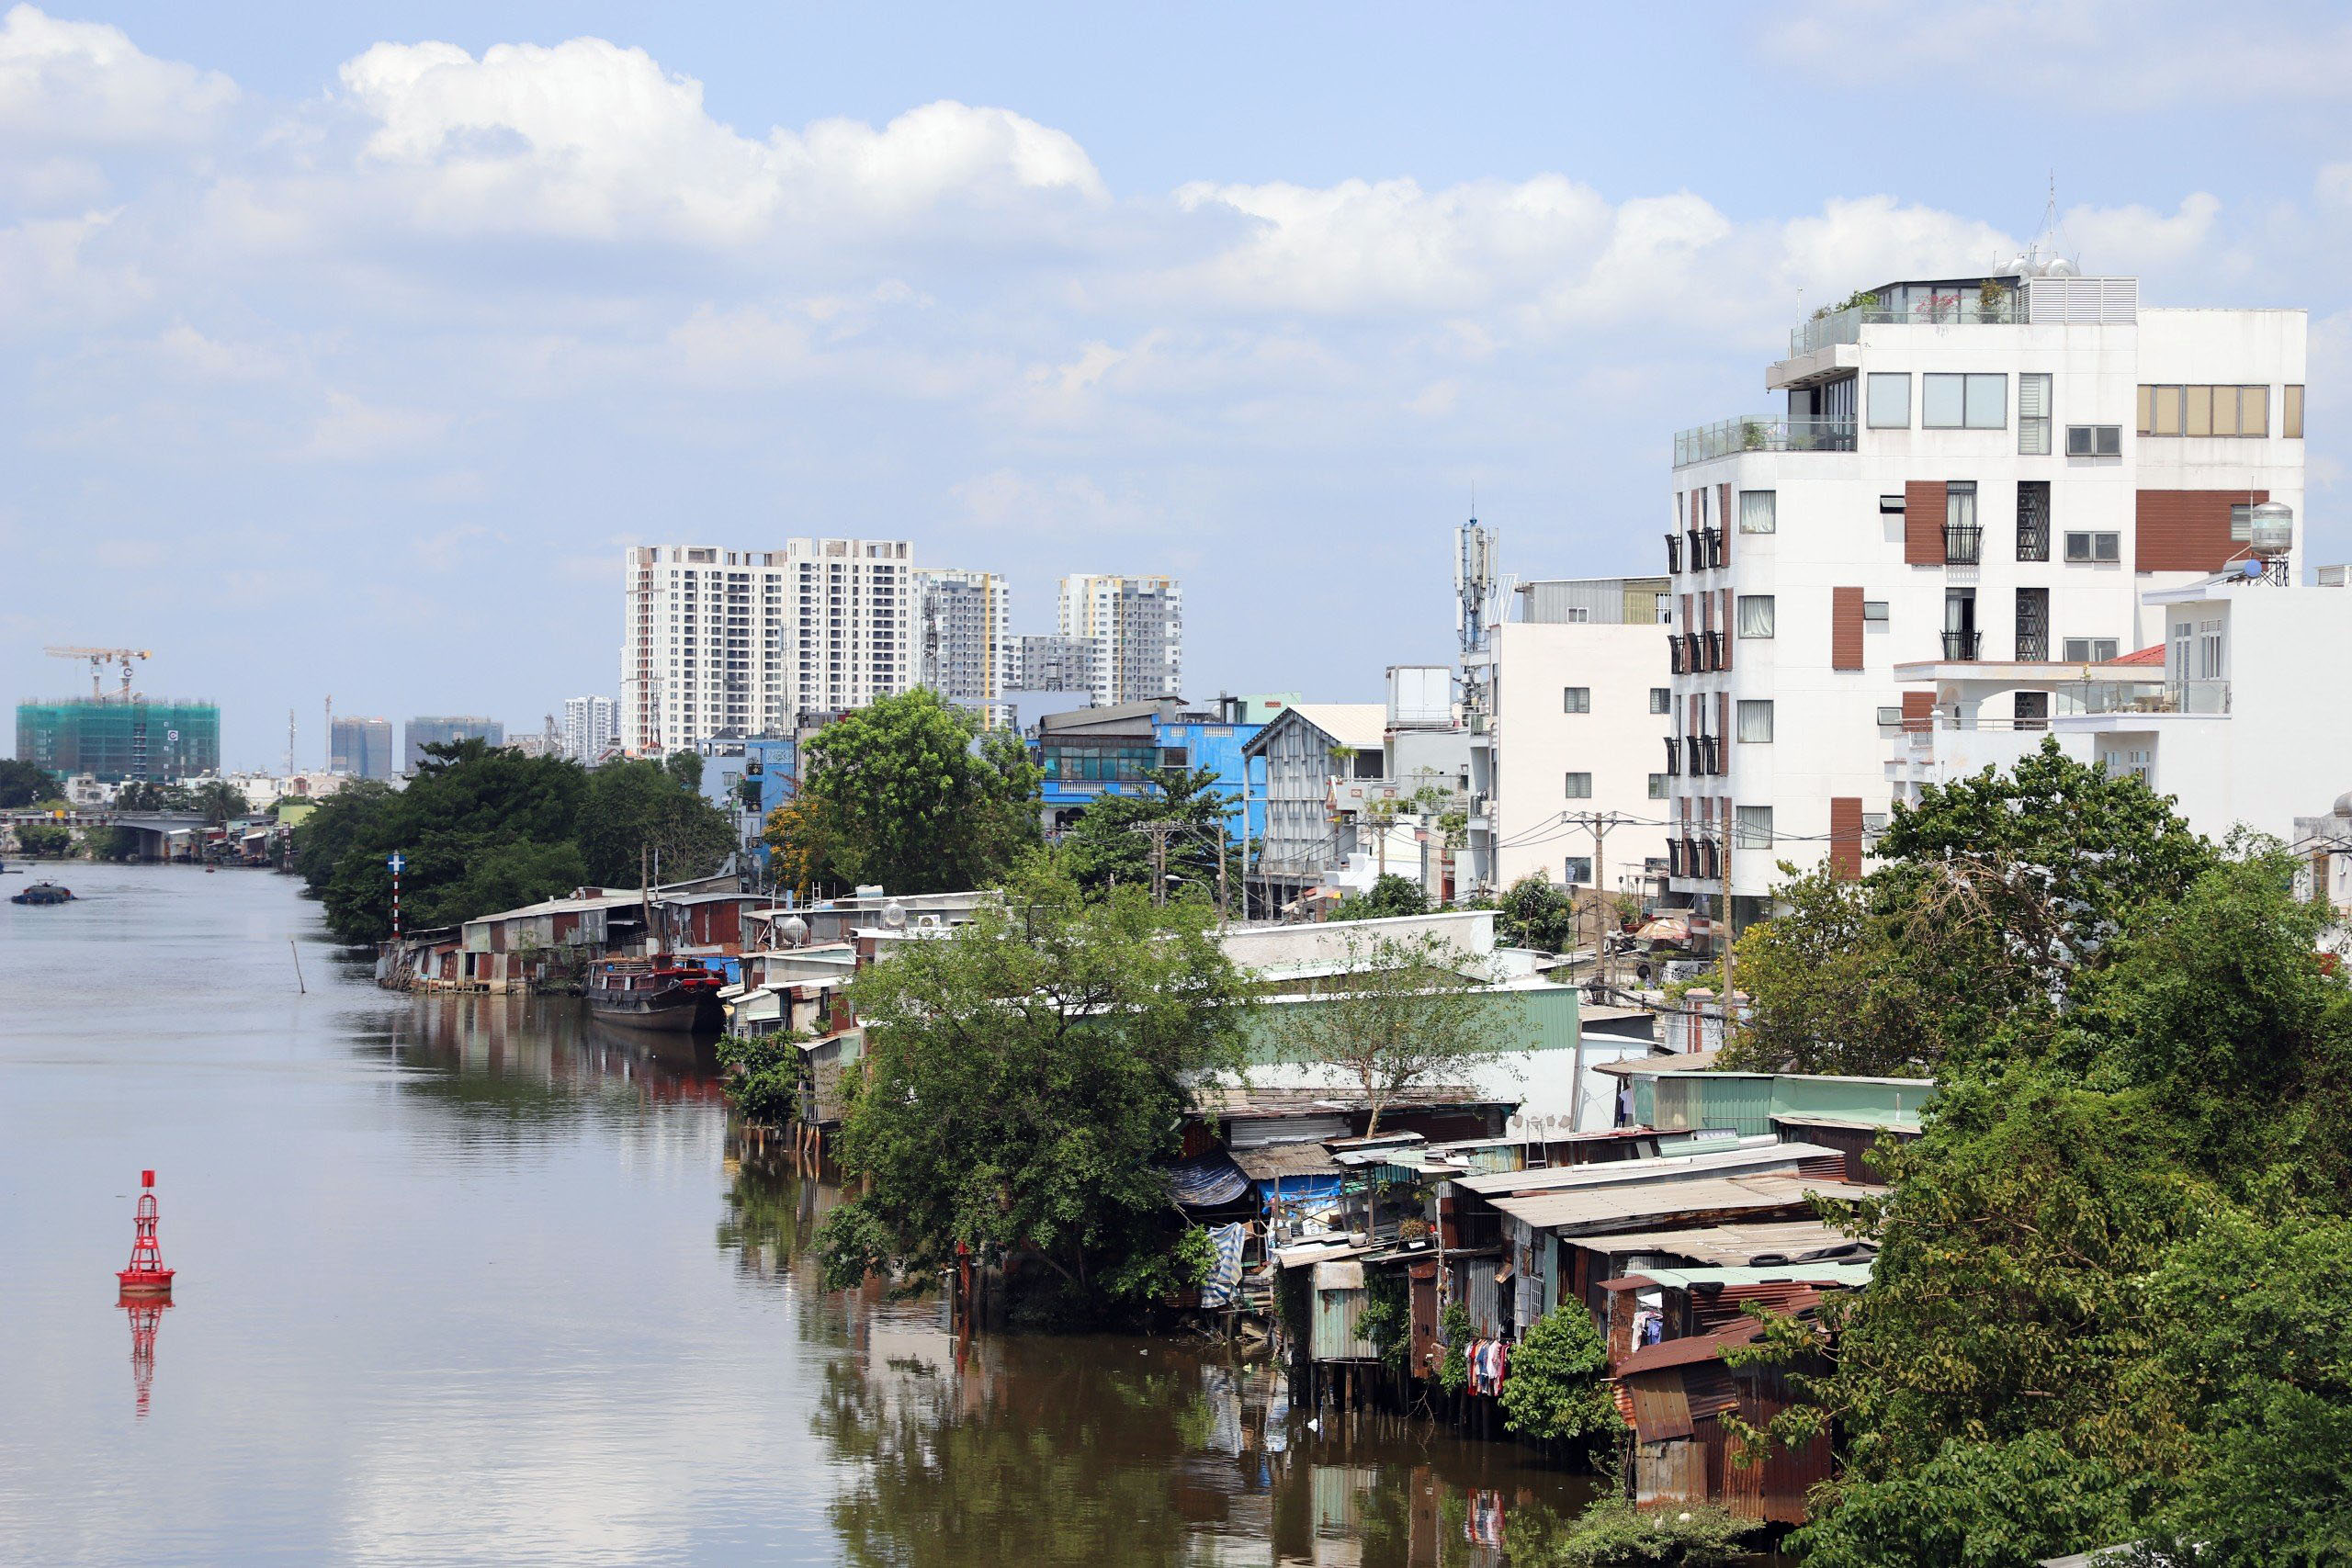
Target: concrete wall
[[1536, 744]]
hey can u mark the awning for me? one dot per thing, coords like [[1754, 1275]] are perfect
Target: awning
[[1208, 1181]]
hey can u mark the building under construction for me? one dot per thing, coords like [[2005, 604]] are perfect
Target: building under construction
[[117, 740]]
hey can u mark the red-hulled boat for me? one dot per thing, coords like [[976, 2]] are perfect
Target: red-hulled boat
[[677, 994]]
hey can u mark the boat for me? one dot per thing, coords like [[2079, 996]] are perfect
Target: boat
[[43, 893], [677, 994]]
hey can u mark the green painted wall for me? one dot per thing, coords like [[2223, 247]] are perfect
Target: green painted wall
[[1749, 1101], [1550, 1024]]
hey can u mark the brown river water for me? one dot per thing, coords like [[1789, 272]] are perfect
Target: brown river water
[[477, 1281]]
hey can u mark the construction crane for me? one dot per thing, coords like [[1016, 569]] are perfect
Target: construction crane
[[100, 658]]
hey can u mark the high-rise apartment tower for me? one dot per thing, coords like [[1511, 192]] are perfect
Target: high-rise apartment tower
[[1135, 628], [963, 643]]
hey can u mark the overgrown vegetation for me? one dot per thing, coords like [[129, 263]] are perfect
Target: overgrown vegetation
[[1554, 1392], [909, 793], [22, 783], [1026, 1082], [2115, 1273], [1105, 849], [1386, 1320], [484, 829], [1613, 1533], [1454, 1327], [1533, 913], [1388, 896], [763, 1075]]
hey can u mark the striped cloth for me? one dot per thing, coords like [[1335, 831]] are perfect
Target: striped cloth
[[1225, 1275]]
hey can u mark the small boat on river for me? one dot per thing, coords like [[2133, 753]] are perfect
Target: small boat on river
[[677, 995], [44, 893]]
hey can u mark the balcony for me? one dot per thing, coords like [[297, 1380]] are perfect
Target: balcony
[[1957, 307], [2122, 697], [1674, 856], [1712, 538], [1694, 652], [1761, 434], [1673, 555], [1692, 745], [1963, 543], [1677, 662], [1712, 646], [1961, 647], [1673, 756]]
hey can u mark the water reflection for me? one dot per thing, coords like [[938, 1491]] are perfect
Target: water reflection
[[146, 1316], [1105, 1447]]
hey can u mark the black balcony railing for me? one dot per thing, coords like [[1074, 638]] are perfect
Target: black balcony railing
[[1698, 548], [1691, 745], [1712, 748], [1673, 757], [1712, 538], [1714, 650], [1694, 652], [1710, 860], [1674, 857], [1963, 543], [1675, 659], [1961, 646], [1673, 555]]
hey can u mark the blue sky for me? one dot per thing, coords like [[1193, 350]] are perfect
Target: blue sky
[[343, 347]]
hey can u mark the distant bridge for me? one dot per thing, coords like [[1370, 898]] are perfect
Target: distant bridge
[[157, 831]]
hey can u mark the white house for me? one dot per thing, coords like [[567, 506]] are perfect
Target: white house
[[1982, 469]]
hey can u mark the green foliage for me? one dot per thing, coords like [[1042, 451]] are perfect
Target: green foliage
[[762, 1077], [1387, 1317], [219, 801], [109, 843], [23, 785], [906, 796], [1533, 913], [1553, 1390], [1454, 1326], [488, 828], [1025, 1080], [1192, 1259], [1613, 1533], [1390, 894], [1993, 897], [44, 840], [1405, 1013], [1102, 849], [643, 816]]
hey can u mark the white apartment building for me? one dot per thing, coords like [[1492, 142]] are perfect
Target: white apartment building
[[963, 643], [1975, 471], [1135, 626], [2218, 713], [590, 728], [721, 643], [1579, 691]]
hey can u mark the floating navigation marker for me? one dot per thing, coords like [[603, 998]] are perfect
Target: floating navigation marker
[[146, 1275]]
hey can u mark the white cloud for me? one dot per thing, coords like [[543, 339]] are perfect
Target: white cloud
[[48, 273], [86, 83], [1009, 500], [213, 360], [352, 432], [587, 140]]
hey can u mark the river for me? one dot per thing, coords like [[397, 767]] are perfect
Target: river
[[475, 1280]]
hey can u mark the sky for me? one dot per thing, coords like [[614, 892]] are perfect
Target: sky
[[344, 348]]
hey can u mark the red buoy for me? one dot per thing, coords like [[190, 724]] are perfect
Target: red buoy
[[146, 1275]]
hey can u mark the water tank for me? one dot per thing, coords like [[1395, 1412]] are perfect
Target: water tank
[[795, 931], [2271, 529], [894, 915]]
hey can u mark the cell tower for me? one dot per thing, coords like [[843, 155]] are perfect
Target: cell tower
[[289, 743], [1476, 592]]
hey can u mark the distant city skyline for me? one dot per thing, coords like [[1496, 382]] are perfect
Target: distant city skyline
[[349, 347]]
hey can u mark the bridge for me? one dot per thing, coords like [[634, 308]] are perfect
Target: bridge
[[163, 835]]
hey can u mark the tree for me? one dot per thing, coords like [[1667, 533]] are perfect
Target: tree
[[1104, 850], [641, 814], [1402, 1012], [23, 785], [1554, 1392], [762, 1077], [219, 801], [915, 799], [39, 839], [1388, 895], [1994, 896], [798, 847], [1025, 1080], [1534, 914]]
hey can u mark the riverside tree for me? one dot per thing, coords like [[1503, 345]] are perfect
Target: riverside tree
[[908, 793], [1403, 1013], [2112, 1274], [22, 784], [1025, 1078]]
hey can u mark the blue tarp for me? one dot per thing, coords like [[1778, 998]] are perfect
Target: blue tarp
[[1302, 1189], [1207, 1180]]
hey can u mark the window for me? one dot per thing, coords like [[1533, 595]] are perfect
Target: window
[[1575, 699], [2090, 650], [1577, 871], [1889, 401], [2033, 520], [1756, 614], [1758, 513], [1756, 721], [1579, 786], [1661, 699], [1874, 609], [2094, 547], [2209, 650], [2291, 414], [1963, 541], [2094, 440], [1964, 402], [1755, 827], [2237, 410], [2033, 415], [1658, 786], [1890, 719]]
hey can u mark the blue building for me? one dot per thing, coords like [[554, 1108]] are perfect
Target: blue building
[[1086, 753], [748, 779], [1215, 741]]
